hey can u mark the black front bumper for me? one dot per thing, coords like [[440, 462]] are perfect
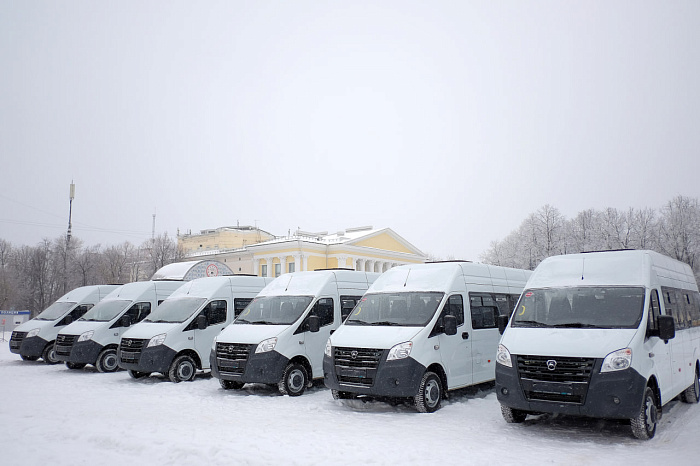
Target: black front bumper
[[82, 352], [609, 395], [152, 359], [32, 347], [400, 378], [265, 367]]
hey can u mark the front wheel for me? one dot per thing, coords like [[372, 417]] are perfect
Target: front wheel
[[692, 393], [294, 380], [231, 384], [644, 425], [137, 374], [429, 393], [513, 416], [75, 365], [182, 369], [49, 354], [107, 360]]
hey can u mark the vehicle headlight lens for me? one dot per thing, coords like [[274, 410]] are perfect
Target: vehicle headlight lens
[[400, 351], [503, 356], [86, 336], [33, 333], [327, 351], [266, 345], [617, 360], [156, 340]]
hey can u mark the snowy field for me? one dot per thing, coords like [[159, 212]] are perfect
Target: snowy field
[[53, 415]]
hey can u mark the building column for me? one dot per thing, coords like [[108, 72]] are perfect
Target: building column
[[283, 264], [256, 267], [344, 260], [305, 260]]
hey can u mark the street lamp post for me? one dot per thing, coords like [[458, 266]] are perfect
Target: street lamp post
[[68, 235]]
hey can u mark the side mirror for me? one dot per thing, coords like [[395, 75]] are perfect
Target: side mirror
[[202, 322], [450, 323], [126, 320], [667, 327], [502, 324], [313, 323]]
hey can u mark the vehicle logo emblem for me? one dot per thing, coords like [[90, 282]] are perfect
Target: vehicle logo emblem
[[353, 354], [551, 364], [127, 342], [230, 349]]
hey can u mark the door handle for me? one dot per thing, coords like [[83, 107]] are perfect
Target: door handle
[[465, 335]]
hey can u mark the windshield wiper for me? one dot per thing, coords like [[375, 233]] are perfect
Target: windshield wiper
[[385, 322], [530, 323], [575, 325], [242, 321], [357, 322]]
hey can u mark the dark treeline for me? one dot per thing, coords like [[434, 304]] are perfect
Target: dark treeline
[[674, 230], [33, 277]]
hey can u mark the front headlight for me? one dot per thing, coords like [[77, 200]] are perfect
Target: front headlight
[[266, 345], [86, 336], [33, 333], [400, 351], [156, 340], [617, 360], [503, 356], [327, 351]]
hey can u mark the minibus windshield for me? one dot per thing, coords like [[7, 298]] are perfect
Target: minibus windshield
[[104, 311], [175, 310], [580, 307], [410, 309], [55, 311], [274, 310]]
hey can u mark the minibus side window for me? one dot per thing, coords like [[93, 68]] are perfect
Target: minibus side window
[[347, 304], [215, 312], [75, 314], [324, 310], [654, 311], [484, 311], [453, 306], [239, 304]]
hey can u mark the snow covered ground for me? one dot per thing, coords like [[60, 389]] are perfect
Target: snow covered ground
[[53, 415]]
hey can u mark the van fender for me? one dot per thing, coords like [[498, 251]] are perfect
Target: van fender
[[440, 371], [304, 362], [191, 353]]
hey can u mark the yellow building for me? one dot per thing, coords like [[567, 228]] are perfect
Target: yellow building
[[365, 248], [222, 238]]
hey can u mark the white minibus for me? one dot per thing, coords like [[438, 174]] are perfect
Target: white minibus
[[421, 330], [611, 334], [93, 339], [176, 338], [36, 337], [279, 338]]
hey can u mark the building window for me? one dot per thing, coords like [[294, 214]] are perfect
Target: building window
[[290, 267], [278, 270], [263, 270]]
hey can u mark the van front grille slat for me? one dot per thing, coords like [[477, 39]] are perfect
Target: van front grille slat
[[356, 366], [232, 358], [554, 378]]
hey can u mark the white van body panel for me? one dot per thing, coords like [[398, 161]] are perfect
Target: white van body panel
[[373, 337], [570, 342]]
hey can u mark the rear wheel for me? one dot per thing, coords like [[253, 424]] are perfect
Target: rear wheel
[[28, 358], [182, 369], [137, 374], [107, 360], [644, 425], [75, 365], [513, 416], [429, 393], [231, 384], [294, 380], [692, 393], [49, 354]]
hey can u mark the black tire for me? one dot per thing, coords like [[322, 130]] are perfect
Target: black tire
[[513, 416], [644, 424], [183, 369], [28, 358], [107, 360], [692, 393], [137, 374], [49, 355], [231, 384], [338, 395], [75, 365], [429, 393], [294, 380]]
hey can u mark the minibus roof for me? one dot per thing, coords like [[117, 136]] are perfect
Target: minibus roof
[[313, 283], [83, 293], [213, 286]]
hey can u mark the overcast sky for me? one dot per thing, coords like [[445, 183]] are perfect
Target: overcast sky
[[447, 121]]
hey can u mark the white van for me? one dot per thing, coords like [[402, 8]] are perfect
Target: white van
[[420, 330], [280, 336], [35, 338], [607, 334], [175, 340], [93, 339]]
